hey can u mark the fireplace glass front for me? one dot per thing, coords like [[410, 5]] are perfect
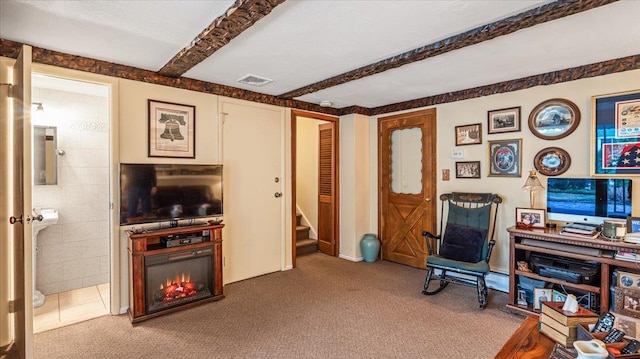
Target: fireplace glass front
[[178, 278]]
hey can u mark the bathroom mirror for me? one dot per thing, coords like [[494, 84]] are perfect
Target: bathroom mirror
[[45, 166]]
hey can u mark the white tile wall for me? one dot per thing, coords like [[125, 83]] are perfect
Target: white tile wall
[[75, 252]]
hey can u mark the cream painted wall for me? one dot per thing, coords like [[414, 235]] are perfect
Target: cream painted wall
[[355, 179], [134, 125], [475, 111]]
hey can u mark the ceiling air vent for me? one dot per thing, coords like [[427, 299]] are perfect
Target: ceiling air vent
[[254, 80]]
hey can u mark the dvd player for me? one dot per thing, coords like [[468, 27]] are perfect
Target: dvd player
[[567, 269]]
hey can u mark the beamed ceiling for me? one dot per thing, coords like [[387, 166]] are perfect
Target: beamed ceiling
[[367, 57]]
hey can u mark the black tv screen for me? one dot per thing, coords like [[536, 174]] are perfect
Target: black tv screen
[[169, 192], [588, 199]]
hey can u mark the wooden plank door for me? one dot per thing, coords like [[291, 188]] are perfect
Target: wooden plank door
[[407, 179], [326, 189]]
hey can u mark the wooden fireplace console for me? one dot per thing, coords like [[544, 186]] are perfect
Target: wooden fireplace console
[[148, 243]]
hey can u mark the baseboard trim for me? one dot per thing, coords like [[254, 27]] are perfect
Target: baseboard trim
[[123, 310], [496, 281], [349, 258], [288, 267]]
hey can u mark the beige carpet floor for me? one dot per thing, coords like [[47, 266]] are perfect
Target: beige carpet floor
[[325, 308]]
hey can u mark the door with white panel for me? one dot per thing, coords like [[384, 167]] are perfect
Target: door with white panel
[[253, 159]]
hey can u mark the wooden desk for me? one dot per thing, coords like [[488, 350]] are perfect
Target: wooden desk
[[520, 251], [527, 342]]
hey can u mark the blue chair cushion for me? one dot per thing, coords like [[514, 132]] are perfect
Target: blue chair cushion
[[462, 243], [437, 261]]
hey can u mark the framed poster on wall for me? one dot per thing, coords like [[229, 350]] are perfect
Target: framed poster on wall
[[172, 130], [615, 134]]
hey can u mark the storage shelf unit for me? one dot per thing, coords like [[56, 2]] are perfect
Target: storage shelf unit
[[521, 252]]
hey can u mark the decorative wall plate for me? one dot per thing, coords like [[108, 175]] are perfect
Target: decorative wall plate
[[552, 161]]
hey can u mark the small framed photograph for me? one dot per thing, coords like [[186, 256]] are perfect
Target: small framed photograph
[[531, 217], [505, 158], [469, 134], [172, 131], [541, 295], [468, 169], [558, 296], [504, 120], [627, 302]]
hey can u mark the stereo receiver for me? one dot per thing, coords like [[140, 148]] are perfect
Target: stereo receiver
[[175, 240]]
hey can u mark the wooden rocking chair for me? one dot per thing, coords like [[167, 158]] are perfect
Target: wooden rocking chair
[[464, 245]]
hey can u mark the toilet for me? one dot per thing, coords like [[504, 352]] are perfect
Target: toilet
[[49, 217]]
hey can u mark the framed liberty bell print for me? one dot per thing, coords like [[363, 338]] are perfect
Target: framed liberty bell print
[[172, 130]]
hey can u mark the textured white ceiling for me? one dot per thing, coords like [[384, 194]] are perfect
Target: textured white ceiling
[[305, 41]]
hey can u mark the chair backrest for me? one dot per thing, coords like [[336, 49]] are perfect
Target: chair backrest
[[477, 210]]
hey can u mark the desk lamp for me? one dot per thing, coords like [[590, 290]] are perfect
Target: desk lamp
[[533, 185]]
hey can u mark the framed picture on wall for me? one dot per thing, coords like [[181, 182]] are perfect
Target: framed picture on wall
[[172, 131], [615, 134], [504, 120], [469, 134], [468, 169], [505, 158], [554, 119]]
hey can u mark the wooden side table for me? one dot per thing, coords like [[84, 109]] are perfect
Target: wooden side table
[[527, 342]]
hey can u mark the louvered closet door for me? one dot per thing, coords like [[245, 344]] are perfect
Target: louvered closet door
[[326, 190]]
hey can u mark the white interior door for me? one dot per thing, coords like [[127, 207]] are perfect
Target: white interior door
[[253, 158]]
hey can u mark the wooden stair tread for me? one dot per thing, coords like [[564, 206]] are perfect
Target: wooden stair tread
[[306, 246], [305, 242]]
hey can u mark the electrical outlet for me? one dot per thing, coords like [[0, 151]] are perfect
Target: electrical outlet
[[457, 154], [445, 174]]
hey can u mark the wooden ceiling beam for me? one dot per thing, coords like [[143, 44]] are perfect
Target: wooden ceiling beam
[[238, 18], [11, 49], [602, 68], [511, 24]]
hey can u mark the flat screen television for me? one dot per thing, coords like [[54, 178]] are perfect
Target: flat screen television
[[590, 200], [169, 192]]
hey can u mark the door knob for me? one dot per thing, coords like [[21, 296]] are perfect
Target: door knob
[[14, 220], [278, 194], [427, 199]]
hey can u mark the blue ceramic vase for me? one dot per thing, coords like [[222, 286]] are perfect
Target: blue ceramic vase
[[370, 246]]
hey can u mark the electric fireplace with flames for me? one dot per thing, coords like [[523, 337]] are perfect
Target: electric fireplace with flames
[[168, 278]]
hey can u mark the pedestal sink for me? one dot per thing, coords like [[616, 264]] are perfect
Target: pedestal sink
[[42, 218]]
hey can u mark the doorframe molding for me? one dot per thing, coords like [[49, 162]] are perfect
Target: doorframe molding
[[118, 304], [294, 146]]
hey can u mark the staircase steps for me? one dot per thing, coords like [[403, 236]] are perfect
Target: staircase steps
[[304, 244]]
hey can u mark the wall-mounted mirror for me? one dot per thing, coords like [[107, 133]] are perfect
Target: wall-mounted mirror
[[45, 162]]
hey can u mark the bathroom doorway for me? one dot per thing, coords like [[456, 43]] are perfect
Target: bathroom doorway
[[72, 185]]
